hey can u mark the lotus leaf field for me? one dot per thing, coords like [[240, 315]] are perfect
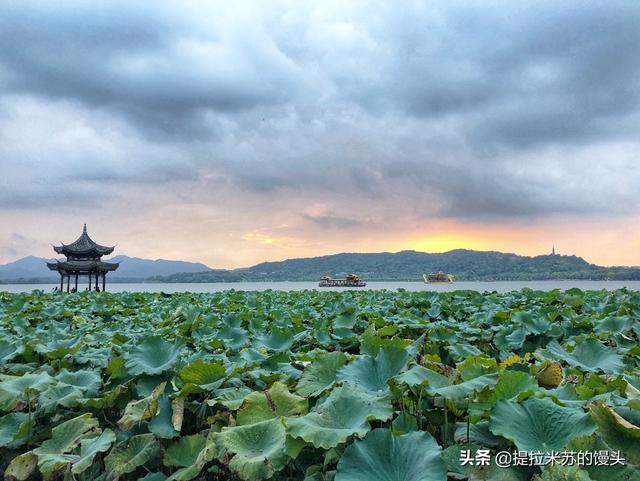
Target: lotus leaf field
[[316, 386]]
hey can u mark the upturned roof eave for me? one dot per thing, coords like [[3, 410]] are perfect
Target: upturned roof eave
[[83, 266], [97, 248]]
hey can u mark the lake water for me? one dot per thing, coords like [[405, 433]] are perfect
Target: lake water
[[501, 286]]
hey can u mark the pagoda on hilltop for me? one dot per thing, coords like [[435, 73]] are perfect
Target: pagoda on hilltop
[[83, 259]]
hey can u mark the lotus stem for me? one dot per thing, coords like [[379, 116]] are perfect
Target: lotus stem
[[446, 424]]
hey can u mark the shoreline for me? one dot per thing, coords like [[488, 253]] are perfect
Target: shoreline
[[413, 286]]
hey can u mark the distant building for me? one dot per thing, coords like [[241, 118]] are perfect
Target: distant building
[[553, 250], [83, 259]]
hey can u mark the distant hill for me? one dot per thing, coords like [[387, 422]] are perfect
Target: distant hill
[[410, 265], [142, 268], [213, 275], [30, 269], [405, 265], [25, 268]]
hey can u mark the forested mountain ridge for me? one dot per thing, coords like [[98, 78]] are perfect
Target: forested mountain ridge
[[410, 265]]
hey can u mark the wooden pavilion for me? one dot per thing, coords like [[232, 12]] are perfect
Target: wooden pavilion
[[83, 259]]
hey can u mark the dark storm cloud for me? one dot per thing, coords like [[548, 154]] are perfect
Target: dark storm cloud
[[520, 73], [30, 197], [333, 221], [153, 64], [468, 109]]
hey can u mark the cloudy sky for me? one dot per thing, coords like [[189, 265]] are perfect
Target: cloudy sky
[[235, 132]]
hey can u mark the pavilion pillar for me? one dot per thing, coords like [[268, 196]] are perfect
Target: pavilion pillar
[[97, 274], [104, 280], [76, 282], [68, 281], [89, 281], [61, 280]]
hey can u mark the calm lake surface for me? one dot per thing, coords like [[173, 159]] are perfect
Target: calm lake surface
[[297, 286]]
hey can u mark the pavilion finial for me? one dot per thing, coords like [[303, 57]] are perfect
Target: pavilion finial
[[84, 229]]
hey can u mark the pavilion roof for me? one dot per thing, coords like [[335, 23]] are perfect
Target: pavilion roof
[[83, 245], [83, 266]]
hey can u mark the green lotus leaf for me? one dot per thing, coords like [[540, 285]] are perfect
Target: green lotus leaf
[[466, 388], [539, 424], [207, 453], [617, 431], [127, 456], [322, 335], [153, 477], [566, 395], [14, 429], [614, 324], [285, 370], [59, 348], [53, 453], [476, 366], [564, 473], [513, 383], [275, 402], [22, 467], [533, 324], [184, 452], [321, 374], [371, 341], [145, 385], [234, 338], [388, 330], [630, 412], [116, 368], [17, 389], [141, 410], [162, 425], [90, 447], [153, 355], [344, 413], [344, 335], [279, 339], [207, 375], [250, 357], [109, 398], [421, 376], [510, 339], [442, 334], [404, 423], [89, 382], [259, 449], [231, 398], [604, 472], [461, 350], [9, 350], [347, 318], [60, 395], [98, 357], [382, 456], [373, 373], [477, 434], [589, 355]]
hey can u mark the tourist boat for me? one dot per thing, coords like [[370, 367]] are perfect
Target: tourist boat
[[437, 277], [352, 280]]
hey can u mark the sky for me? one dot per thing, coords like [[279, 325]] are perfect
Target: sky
[[232, 133]]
